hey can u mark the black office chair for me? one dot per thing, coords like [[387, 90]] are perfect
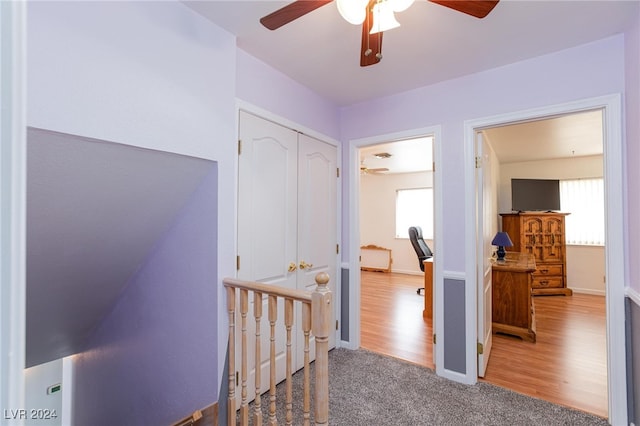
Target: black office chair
[[420, 246]]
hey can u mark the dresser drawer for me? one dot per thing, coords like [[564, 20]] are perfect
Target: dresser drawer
[[546, 270], [547, 282]]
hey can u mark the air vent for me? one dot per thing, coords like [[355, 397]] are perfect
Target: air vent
[[382, 155]]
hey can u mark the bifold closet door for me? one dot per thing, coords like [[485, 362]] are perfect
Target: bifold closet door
[[267, 228], [287, 224], [317, 222]]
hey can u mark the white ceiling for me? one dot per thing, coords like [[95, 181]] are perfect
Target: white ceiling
[[407, 156], [321, 50], [574, 135]]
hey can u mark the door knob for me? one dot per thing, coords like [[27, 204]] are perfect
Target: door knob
[[305, 265], [292, 266]]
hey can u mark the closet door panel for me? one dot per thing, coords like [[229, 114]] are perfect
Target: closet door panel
[[267, 230], [317, 217]]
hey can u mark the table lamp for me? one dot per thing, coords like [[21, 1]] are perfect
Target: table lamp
[[501, 240]]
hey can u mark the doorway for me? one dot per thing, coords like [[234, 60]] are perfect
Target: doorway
[[614, 264], [396, 192], [356, 210], [564, 152]]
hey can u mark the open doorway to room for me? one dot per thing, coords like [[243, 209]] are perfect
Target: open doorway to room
[[558, 366], [567, 363], [396, 191]]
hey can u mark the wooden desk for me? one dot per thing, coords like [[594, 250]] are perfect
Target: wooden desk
[[428, 288], [512, 306]]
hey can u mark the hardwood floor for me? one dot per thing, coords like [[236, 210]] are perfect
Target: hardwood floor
[[567, 365], [391, 320]]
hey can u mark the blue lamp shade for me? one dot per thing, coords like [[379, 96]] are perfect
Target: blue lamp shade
[[501, 240]]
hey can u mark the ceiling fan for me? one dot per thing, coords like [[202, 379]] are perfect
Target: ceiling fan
[[364, 170], [375, 11]]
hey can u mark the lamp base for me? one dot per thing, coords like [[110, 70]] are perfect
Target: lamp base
[[501, 253]]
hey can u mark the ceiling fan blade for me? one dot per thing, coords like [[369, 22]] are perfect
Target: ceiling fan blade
[[477, 8], [371, 50], [291, 12]]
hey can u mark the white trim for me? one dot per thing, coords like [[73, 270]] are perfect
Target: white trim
[[267, 115], [615, 257], [353, 165], [454, 275], [66, 416], [588, 291], [407, 272], [281, 121], [633, 295], [13, 207]]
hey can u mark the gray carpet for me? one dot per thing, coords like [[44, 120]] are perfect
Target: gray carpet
[[371, 389]]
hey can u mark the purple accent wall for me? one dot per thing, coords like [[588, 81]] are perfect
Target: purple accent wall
[[153, 359]]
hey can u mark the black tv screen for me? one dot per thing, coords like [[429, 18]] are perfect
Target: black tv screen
[[535, 194]]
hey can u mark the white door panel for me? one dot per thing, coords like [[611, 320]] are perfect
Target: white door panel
[[317, 221], [267, 230], [486, 217], [287, 215]]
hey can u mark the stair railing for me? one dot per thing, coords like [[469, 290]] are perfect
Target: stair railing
[[316, 319]]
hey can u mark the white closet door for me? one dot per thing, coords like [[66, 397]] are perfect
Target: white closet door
[[267, 229], [317, 221], [287, 215]]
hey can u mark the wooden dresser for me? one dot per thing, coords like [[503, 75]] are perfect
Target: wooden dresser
[[543, 236], [511, 305]]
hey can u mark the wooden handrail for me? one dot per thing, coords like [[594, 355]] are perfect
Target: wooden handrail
[[316, 320], [268, 289]]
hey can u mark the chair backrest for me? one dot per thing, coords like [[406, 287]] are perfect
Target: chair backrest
[[422, 249]]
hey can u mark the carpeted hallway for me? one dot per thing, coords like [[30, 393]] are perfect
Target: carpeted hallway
[[369, 389]]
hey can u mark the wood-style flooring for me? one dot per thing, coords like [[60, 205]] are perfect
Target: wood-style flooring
[[567, 365]]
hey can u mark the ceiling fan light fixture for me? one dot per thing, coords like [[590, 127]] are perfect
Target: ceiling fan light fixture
[[383, 17], [353, 11]]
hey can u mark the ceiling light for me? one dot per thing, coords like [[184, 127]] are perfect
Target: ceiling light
[[355, 12], [383, 17]]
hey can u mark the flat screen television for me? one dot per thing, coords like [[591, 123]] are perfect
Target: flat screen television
[[535, 194]]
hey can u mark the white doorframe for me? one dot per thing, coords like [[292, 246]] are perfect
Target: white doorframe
[[354, 224], [13, 207], [615, 256], [268, 115]]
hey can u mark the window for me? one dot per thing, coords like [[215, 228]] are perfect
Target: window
[[414, 207], [584, 199]]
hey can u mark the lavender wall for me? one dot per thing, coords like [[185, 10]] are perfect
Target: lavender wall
[[153, 359], [585, 71], [264, 87], [632, 105]]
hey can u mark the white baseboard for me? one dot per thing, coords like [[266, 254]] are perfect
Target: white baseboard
[[347, 345], [588, 291], [401, 271]]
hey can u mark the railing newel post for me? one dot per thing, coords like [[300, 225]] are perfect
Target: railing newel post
[[321, 306]]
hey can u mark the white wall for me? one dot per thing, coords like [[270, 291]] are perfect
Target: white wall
[[585, 264], [378, 218], [150, 74], [52, 409]]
